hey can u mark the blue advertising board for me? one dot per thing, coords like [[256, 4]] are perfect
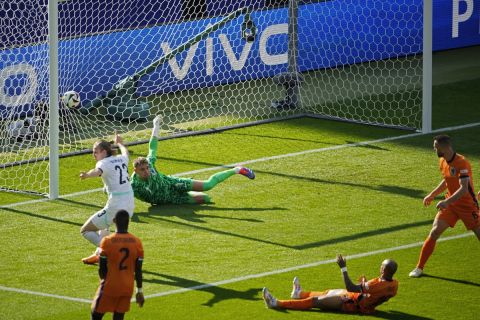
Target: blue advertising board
[[225, 57]]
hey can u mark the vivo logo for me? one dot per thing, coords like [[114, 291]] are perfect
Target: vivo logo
[[459, 17], [237, 64]]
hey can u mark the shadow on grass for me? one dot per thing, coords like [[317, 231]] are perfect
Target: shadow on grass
[[80, 204], [44, 217], [392, 314], [392, 189], [460, 281], [187, 213], [397, 190], [361, 235], [219, 293]]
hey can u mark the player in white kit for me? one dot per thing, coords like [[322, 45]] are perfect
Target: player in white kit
[[114, 172]]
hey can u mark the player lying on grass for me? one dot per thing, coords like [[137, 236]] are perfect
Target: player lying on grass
[[356, 298], [154, 187]]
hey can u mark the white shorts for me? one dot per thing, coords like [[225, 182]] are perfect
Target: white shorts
[[103, 219]]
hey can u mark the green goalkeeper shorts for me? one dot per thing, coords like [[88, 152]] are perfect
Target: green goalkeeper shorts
[[177, 190]]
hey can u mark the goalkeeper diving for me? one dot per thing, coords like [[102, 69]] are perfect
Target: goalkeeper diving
[[152, 186]]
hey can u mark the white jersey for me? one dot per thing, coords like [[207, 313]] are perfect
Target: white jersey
[[115, 174]]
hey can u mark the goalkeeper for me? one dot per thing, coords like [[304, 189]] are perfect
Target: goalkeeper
[[152, 186]]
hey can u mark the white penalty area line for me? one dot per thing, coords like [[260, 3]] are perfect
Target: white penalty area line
[[281, 156], [243, 278], [303, 266], [35, 293]]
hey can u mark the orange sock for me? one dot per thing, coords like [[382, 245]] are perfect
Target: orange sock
[[426, 252], [308, 294], [299, 304]]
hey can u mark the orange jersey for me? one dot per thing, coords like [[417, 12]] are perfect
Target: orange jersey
[[122, 251], [376, 292], [452, 171]]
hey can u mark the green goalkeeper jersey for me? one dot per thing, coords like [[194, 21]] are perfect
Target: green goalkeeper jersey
[[160, 188]]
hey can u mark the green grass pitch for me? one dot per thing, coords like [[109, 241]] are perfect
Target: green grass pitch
[[299, 210]]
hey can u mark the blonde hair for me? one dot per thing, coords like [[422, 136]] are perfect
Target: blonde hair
[[139, 161]]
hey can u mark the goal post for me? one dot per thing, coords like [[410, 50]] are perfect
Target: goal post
[[427, 67], [204, 65], [53, 169]]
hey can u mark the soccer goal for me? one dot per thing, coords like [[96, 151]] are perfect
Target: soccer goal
[[205, 65]]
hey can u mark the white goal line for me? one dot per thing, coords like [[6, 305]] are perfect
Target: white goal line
[[243, 278], [287, 155]]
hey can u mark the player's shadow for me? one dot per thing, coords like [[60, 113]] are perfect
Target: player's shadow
[[460, 281], [44, 217], [80, 204], [361, 235], [374, 232], [392, 314], [397, 315], [218, 293], [188, 212], [397, 190]]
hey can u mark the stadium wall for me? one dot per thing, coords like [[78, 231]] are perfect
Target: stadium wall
[[456, 24]]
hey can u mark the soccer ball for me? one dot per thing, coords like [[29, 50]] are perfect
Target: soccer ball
[[71, 99]]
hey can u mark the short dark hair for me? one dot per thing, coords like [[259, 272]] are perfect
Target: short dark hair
[[443, 140], [121, 219]]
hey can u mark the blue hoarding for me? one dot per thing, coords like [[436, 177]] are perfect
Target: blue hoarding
[[330, 34]]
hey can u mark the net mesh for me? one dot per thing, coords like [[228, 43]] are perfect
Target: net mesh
[[201, 64]]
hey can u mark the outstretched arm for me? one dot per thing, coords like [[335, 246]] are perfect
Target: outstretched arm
[[90, 174], [119, 142], [349, 285], [152, 146]]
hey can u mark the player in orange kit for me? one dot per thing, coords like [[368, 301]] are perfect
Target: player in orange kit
[[356, 298], [460, 203], [121, 257]]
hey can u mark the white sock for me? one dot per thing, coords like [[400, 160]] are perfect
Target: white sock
[[103, 233], [93, 237]]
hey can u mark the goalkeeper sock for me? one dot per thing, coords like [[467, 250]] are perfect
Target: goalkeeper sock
[[217, 178], [198, 198]]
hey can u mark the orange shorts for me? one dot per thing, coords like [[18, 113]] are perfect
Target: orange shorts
[[469, 216], [350, 302], [103, 303]]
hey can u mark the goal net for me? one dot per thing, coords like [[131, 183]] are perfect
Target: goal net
[[203, 65]]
